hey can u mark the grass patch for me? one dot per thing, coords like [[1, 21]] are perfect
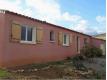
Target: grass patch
[[4, 73]]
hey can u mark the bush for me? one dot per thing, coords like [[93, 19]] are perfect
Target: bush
[[4, 73], [91, 51]]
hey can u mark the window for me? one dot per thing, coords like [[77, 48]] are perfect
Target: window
[[66, 39], [27, 34], [24, 34], [52, 36]]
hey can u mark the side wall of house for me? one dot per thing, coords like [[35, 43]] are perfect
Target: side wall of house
[[100, 44], [2, 31], [21, 54]]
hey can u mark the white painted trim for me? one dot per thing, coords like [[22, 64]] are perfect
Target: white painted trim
[[65, 44], [52, 41], [28, 42], [67, 39], [33, 36]]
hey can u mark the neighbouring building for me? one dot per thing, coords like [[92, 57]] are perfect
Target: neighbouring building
[[101, 36], [103, 46], [25, 40]]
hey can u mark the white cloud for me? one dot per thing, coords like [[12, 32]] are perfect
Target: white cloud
[[72, 18], [100, 19], [48, 10], [9, 5], [82, 26]]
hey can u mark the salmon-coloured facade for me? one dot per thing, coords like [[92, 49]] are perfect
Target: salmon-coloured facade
[[14, 53]]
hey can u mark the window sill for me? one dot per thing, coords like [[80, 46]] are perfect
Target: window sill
[[52, 41], [27, 42], [66, 45]]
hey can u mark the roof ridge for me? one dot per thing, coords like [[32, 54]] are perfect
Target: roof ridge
[[19, 14]]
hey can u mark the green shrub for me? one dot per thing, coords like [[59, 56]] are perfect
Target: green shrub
[[4, 73], [91, 51]]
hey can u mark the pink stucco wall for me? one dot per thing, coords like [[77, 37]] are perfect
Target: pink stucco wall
[[2, 31], [19, 54], [97, 42]]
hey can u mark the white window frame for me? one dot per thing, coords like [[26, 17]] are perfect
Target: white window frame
[[67, 39], [33, 36]]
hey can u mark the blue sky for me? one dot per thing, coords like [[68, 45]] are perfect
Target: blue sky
[[86, 16], [87, 8]]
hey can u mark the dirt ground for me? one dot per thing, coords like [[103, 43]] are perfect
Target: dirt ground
[[88, 69]]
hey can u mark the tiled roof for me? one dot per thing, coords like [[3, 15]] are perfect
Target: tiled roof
[[7, 11], [101, 36]]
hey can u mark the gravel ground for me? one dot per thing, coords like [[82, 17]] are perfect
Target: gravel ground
[[98, 64]]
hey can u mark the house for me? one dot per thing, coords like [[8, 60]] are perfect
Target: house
[[101, 36], [103, 46], [25, 40]]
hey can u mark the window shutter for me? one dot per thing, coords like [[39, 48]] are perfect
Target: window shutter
[[39, 34], [34, 35], [15, 32], [60, 38], [70, 39]]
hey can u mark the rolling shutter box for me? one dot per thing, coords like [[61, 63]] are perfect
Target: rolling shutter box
[[39, 34], [15, 32], [60, 38]]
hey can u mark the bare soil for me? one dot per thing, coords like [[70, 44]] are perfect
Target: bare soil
[[58, 70]]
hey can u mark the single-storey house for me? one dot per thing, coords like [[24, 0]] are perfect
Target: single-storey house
[[25, 40]]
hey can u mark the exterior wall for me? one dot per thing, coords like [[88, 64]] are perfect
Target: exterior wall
[[100, 43], [97, 42], [2, 31], [20, 54]]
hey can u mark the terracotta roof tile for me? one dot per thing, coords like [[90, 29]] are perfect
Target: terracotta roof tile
[[7, 11]]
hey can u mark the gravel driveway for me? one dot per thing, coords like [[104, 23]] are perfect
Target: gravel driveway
[[97, 64]]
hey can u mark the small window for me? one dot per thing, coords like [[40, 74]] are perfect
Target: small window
[[27, 34], [52, 36], [66, 39]]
